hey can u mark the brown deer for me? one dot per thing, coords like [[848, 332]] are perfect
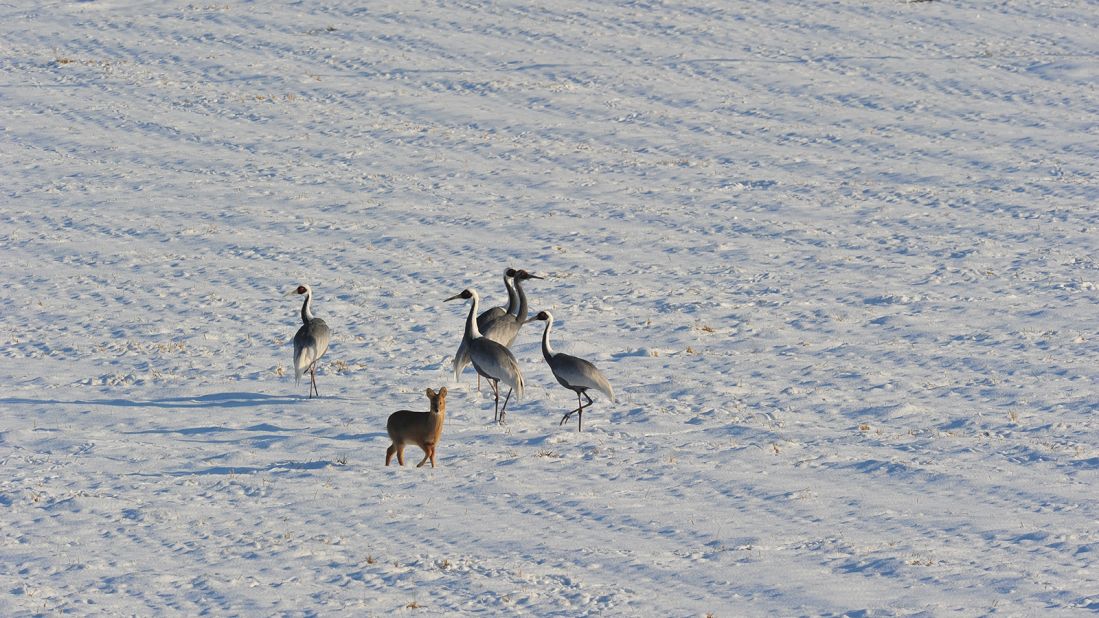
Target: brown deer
[[420, 428]]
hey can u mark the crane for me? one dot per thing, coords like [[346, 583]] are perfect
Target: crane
[[575, 374], [461, 358], [490, 358], [310, 342], [488, 315], [505, 328]]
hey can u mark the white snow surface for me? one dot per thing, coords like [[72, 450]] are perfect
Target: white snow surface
[[839, 260]]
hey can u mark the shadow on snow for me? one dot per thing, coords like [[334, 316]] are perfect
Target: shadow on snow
[[213, 400], [242, 470]]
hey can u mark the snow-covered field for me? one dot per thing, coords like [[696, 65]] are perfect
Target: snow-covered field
[[838, 259]]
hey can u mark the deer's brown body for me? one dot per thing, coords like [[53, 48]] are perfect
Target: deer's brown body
[[420, 428]]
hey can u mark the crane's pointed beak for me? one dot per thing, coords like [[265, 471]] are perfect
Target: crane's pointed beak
[[534, 276], [458, 295], [292, 292]]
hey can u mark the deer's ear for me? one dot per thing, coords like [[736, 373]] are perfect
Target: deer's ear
[[430, 394], [442, 392]]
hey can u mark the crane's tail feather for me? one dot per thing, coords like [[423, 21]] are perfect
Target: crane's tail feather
[[461, 360], [518, 386], [459, 364], [301, 364], [604, 386]]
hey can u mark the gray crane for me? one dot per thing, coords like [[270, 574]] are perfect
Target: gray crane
[[310, 342], [505, 328], [573, 373], [488, 315], [461, 358], [490, 358], [498, 324]]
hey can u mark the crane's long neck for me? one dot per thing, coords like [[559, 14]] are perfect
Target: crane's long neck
[[307, 307], [521, 313], [472, 332], [547, 351], [513, 298]]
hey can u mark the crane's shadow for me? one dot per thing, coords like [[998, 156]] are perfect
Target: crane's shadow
[[277, 467], [212, 400], [256, 436]]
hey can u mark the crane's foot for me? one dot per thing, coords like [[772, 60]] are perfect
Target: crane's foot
[[570, 413]]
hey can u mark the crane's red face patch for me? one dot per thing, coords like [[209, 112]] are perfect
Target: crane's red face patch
[[301, 289]]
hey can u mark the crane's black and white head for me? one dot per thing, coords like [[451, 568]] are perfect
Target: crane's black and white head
[[523, 275], [465, 294], [544, 316], [301, 289], [510, 273]]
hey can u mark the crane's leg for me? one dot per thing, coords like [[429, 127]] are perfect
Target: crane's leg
[[579, 409], [310, 381], [579, 416], [313, 379], [496, 392], [503, 410], [579, 406]]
